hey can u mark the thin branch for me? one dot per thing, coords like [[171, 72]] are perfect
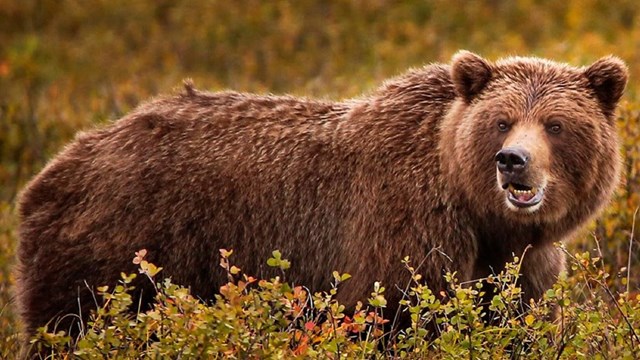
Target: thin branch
[[633, 229], [624, 316]]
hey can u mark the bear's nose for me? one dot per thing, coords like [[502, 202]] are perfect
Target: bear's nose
[[512, 160]]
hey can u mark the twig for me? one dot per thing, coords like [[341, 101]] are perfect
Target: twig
[[633, 229], [626, 319]]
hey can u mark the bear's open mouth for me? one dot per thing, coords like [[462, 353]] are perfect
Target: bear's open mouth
[[522, 195]]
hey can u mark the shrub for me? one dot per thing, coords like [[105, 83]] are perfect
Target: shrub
[[581, 316]]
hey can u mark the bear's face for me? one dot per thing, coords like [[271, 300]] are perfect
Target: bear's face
[[536, 140]]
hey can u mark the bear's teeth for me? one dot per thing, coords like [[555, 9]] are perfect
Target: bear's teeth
[[515, 191]]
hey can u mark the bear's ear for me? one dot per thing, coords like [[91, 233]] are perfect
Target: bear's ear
[[608, 78], [470, 74]]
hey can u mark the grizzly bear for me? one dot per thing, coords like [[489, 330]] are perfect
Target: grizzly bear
[[459, 166]]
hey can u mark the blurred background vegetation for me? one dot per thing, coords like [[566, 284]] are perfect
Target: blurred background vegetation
[[69, 65]]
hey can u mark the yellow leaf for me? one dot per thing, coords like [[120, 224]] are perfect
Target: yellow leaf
[[529, 319]]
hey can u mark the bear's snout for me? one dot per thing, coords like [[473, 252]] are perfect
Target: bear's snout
[[512, 160], [515, 176]]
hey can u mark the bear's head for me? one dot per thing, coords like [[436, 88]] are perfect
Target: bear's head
[[533, 140]]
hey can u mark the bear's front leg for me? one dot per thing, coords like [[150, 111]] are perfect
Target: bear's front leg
[[540, 268]]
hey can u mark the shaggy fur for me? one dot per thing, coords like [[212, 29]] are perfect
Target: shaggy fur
[[351, 186]]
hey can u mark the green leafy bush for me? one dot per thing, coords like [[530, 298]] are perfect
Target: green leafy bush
[[258, 318]]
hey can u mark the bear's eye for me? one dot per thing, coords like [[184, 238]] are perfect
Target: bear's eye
[[554, 128], [503, 126]]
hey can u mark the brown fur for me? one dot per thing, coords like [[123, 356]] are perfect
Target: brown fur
[[351, 186]]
